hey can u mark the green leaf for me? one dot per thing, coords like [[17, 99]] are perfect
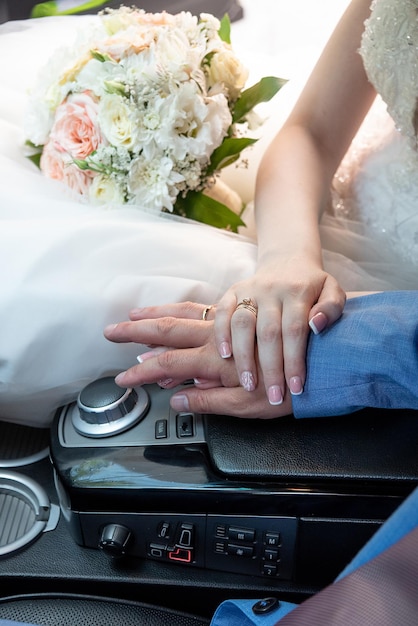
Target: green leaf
[[44, 9], [36, 153], [199, 207], [100, 56], [228, 152], [263, 91], [115, 87], [224, 31], [35, 158]]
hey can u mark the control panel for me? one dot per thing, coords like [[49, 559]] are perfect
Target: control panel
[[259, 546]]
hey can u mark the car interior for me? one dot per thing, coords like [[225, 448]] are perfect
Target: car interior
[[153, 517]]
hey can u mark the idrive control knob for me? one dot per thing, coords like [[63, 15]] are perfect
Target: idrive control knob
[[114, 540], [106, 409]]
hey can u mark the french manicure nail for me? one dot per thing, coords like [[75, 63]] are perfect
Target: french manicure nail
[[275, 395], [247, 381], [295, 386], [225, 350], [144, 356], [318, 322], [179, 402]]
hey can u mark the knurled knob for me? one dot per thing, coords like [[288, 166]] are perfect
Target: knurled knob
[[105, 409]]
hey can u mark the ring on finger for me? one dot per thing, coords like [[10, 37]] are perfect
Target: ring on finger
[[249, 304], [206, 311]]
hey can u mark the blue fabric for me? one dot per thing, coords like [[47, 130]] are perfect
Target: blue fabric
[[369, 358], [400, 523]]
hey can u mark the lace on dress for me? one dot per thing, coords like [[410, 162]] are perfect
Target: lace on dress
[[377, 182]]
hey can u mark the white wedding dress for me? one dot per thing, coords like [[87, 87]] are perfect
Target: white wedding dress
[[70, 269]]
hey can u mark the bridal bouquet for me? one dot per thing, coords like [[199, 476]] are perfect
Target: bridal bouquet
[[145, 110]]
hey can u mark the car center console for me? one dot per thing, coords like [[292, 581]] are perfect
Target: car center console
[[277, 500]]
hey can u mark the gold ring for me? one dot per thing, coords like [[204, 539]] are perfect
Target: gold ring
[[248, 304], [205, 312]]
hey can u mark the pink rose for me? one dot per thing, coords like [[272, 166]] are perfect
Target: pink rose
[[76, 130], [52, 162], [57, 165]]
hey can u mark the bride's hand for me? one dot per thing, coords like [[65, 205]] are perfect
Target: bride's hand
[[192, 354], [273, 311]]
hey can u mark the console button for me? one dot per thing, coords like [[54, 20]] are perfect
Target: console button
[[157, 550], [246, 551], [184, 425], [271, 555], [161, 429], [164, 530], [270, 570], [180, 554], [242, 534], [272, 539], [186, 536]]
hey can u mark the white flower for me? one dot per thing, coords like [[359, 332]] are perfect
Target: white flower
[[152, 182], [105, 190], [137, 106], [96, 75], [225, 68], [118, 121], [192, 125]]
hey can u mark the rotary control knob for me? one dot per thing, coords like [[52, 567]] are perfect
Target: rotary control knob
[[114, 540], [104, 408]]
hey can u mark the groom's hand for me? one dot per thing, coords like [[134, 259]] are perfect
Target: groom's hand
[[191, 354]]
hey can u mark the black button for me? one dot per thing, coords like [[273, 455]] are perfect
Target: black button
[[242, 534], [185, 425], [186, 536], [271, 555], [270, 570], [161, 429], [265, 606], [237, 550], [272, 539], [164, 530]]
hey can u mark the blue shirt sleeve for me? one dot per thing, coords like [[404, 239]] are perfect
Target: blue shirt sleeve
[[368, 358]]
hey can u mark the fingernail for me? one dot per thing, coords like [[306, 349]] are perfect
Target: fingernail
[[151, 354], [225, 350], [318, 322], [119, 379], [109, 328], [179, 402], [144, 356], [247, 381], [165, 383], [275, 395], [295, 386], [135, 311]]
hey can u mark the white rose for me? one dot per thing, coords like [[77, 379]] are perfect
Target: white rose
[[227, 69], [117, 121], [105, 190]]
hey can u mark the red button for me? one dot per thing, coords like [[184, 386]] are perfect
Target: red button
[[180, 554]]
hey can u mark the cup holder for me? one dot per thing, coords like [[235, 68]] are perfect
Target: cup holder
[[25, 512], [22, 445]]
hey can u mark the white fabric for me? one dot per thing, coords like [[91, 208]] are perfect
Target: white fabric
[[69, 269]]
